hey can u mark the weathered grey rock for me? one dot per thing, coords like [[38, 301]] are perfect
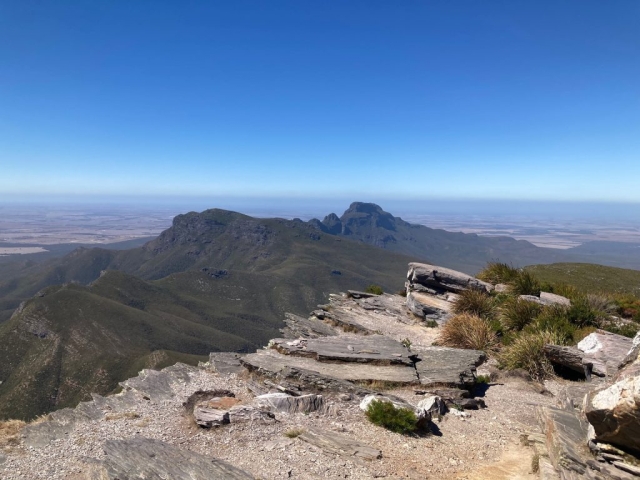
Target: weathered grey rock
[[226, 362], [450, 396], [273, 364], [210, 417], [429, 307], [337, 444], [342, 322], [627, 468], [357, 294], [433, 406], [566, 437], [373, 349], [250, 414], [447, 367], [472, 404], [630, 365], [300, 327], [569, 357], [444, 278], [553, 299], [286, 403], [605, 351], [144, 458], [157, 385], [614, 413]]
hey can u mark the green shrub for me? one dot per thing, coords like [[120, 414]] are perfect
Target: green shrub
[[628, 306], [581, 314], [476, 303], [601, 303], [526, 351], [374, 289], [483, 379], [517, 313], [293, 433], [563, 289], [525, 284], [467, 331], [384, 414], [555, 319], [496, 272], [625, 329]]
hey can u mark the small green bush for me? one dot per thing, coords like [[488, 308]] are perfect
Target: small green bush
[[555, 319], [293, 433], [496, 272], [525, 284], [374, 289], [517, 313], [483, 379], [626, 329], [581, 314], [384, 414], [476, 303]]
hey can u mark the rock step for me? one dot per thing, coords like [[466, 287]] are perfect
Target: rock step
[[300, 327], [270, 362], [370, 349]]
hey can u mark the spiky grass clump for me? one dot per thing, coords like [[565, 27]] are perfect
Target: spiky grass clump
[[384, 414], [525, 284], [467, 331], [601, 302], [526, 351], [476, 303], [581, 314], [517, 313], [555, 319], [496, 272]]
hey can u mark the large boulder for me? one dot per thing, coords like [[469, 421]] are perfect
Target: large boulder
[[605, 351], [614, 413], [440, 278]]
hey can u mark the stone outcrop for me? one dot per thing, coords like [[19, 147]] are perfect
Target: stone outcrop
[[605, 351], [614, 413], [431, 277]]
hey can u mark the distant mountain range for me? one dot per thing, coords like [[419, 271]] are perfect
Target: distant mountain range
[[216, 280]]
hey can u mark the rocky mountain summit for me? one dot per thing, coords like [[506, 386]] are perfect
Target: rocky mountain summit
[[296, 408]]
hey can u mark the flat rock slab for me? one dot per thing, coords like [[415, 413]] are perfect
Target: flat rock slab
[[605, 351], [145, 458], [335, 443], [270, 362], [374, 349], [300, 327], [451, 367], [444, 278], [226, 362], [158, 385]]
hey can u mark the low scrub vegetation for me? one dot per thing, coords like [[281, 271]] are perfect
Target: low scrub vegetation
[[374, 289], [466, 330], [10, 432], [515, 329], [476, 303], [384, 414]]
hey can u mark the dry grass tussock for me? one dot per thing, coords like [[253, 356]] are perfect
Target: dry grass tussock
[[10, 432], [467, 331], [526, 351]]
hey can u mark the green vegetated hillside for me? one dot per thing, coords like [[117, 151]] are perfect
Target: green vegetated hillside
[[213, 281], [590, 278]]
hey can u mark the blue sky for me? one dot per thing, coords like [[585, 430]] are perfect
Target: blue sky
[[362, 100]]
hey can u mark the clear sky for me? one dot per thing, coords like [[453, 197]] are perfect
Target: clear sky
[[366, 100]]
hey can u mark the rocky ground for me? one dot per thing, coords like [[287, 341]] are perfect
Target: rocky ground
[[292, 410]]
